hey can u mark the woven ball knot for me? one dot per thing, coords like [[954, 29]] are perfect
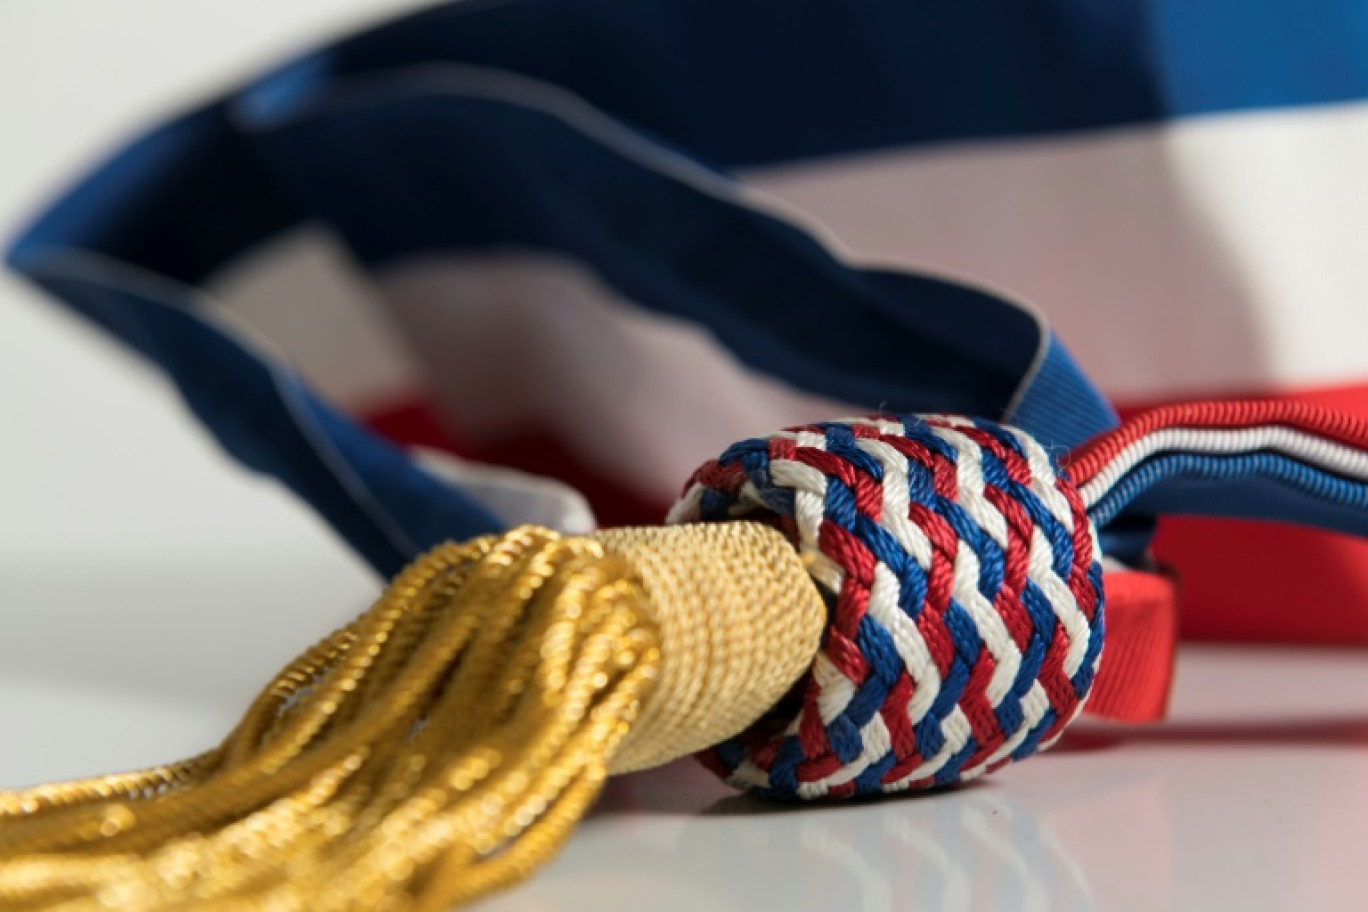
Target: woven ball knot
[[964, 582]]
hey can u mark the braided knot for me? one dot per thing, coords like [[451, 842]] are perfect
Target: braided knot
[[964, 583]]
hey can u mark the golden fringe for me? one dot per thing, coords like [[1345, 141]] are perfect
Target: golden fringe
[[445, 743]]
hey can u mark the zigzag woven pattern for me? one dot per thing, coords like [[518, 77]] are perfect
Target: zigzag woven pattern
[[965, 584]]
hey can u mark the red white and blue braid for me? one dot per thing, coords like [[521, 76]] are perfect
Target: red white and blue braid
[[963, 570], [1312, 454]]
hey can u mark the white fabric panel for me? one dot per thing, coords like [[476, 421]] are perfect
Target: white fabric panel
[[303, 294], [525, 341], [513, 496], [1219, 254]]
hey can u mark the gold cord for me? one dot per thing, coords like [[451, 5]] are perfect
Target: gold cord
[[445, 743]]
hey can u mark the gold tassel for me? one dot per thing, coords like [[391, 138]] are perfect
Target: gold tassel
[[445, 743]]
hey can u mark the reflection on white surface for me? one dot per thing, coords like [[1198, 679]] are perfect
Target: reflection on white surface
[[58, 729], [1254, 798], [973, 849], [110, 672]]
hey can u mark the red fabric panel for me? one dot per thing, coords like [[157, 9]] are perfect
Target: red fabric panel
[[414, 423], [1136, 675]]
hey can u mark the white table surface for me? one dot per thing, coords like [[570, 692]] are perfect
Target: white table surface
[[1253, 797], [147, 587]]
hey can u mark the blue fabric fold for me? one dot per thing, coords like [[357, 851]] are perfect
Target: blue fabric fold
[[370, 492], [404, 161]]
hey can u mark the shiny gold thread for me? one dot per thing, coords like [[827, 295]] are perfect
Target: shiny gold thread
[[445, 743]]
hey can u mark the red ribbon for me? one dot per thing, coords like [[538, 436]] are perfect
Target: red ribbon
[[1135, 676]]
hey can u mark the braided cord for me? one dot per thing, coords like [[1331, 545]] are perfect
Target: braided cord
[[1205, 450], [965, 582]]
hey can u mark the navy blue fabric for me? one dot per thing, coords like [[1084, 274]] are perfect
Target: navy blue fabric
[[403, 162], [1060, 408], [384, 506], [1258, 485], [774, 80], [766, 82], [431, 168], [181, 202]]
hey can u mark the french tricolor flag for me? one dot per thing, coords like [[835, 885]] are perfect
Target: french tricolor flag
[[536, 260]]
